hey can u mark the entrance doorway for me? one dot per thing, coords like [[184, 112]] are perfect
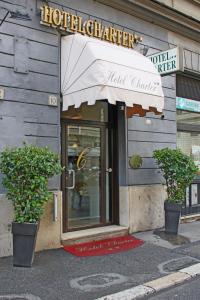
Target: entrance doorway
[[88, 179]]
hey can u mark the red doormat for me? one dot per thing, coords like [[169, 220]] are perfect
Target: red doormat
[[102, 247]]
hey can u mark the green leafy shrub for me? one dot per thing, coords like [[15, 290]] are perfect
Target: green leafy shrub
[[178, 170], [26, 171]]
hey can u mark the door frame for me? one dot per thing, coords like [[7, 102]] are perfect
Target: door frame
[[114, 187]]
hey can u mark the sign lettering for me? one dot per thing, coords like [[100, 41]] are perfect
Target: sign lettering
[[81, 161], [66, 21], [133, 82], [187, 104], [168, 62]]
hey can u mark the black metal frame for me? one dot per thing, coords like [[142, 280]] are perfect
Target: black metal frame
[[113, 192], [191, 209]]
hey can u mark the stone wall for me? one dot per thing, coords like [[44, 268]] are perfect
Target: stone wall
[[49, 234], [6, 216], [141, 207]]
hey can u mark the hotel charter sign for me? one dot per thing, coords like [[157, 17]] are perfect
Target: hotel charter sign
[[68, 22], [169, 61]]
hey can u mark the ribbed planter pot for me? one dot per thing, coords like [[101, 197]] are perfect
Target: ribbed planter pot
[[172, 217], [24, 239]]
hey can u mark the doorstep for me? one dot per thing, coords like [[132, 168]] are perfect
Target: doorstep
[[93, 234]]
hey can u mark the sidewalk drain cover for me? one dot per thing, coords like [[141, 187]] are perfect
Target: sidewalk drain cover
[[177, 264], [97, 281]]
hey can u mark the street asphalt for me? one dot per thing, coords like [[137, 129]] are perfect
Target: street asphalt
[[58, 275]]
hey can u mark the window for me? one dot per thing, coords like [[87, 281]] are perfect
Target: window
[[188, 140]]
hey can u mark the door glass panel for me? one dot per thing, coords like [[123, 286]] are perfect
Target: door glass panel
[[83, 175]]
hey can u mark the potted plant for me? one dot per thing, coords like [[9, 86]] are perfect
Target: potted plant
[[179, 171], [26, 171]]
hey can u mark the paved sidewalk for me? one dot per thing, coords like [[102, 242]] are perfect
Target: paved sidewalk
[[58, 275]]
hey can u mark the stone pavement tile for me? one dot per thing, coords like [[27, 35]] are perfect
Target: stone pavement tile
[[189, 290], [192, 270], [130, 294], [19, 297], [176, 264], [167, 281]]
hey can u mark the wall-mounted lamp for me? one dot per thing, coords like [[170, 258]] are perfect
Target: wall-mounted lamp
[[145, 50], [15, 15], [20, 16]]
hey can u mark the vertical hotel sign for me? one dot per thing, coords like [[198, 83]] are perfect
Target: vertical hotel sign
[[169, 61], [68, 22]]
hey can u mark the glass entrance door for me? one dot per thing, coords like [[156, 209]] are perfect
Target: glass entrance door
[[86, 188]]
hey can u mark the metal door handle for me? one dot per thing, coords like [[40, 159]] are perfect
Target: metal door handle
[[73, 180], [109, 170]]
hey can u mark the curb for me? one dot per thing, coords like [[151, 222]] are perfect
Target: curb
[[156, 285]]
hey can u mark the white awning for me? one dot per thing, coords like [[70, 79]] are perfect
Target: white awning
[[94, 70]]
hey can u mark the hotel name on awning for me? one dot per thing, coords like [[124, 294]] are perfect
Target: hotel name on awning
[[66, 21]]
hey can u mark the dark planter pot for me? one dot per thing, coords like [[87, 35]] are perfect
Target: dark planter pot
[[172, 217], [24, 238]]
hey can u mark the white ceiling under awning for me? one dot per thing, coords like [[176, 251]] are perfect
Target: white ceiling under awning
[[94, 70]]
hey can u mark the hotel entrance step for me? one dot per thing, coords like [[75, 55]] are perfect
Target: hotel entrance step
[[93, 234]]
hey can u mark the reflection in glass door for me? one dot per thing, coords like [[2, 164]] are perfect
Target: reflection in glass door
[[86, 179]]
